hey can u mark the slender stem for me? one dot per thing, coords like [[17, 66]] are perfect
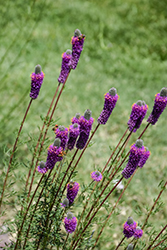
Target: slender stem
[[159, 195], [44, 123], [96, 212], [40, 150], [110, 179], [65, 241], [120, 243], [157, 237], [19, 232], [144, 130], [154, 205], [33, 213], [13, 151], [159, 244], [115, 150], [81, 156], [51, 205], [104, 224]]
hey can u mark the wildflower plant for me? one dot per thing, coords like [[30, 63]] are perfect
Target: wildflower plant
[[56, 212]]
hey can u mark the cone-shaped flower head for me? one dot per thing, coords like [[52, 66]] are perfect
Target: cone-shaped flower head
[[70, 223], [96, 176], [130, 247], [138, 233], [55, 153], [144, 157], [65, 203], [36, 81], [75, 119], [129, 227], [110, 100], [160, 103], [136, 153], [42, 168], [72, 191], [85, 123], [77, 47], [139, 110], [73, 134], [66, 57], [62, 133]]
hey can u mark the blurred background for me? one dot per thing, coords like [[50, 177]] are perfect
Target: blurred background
[[125, 48]]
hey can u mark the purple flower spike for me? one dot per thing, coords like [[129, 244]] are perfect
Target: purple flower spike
[[72, 191], [42, 168], [75, 119], [55, 153], [36, 81], [139, 110], [66, 57], [96, 176], [109, 104], [85, 123], [62, 133], [138, 233], [129, 227], [77, 47], [160, 103], [136, 153], [70, 223], [144, 157], [73, 134]]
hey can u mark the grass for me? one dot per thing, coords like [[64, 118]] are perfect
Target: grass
[[125, 48]]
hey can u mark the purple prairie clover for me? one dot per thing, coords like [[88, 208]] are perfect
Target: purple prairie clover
[[70, 223], [77, 46], [66, 57], [139, 110], [73, 134], [160, 103], [72, 191], [85, 123], [138, 233], [55, 154], [75, 119], [109, 104], [96, 176], [129, 227], [42, 168], [144, 157], [62, 133], [65, 203], [36, 81], [136, 153]]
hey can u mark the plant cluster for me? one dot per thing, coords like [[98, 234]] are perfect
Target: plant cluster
[[55, 212]]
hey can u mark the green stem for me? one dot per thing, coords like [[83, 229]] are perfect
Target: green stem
[[13, 151]]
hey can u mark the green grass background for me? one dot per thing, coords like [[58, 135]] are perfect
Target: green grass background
[[125, 48]]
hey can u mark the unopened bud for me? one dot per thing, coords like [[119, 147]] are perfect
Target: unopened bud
[[139, 143], [77, 115], [61, 128], [69, 215], [139, 102], [112, 91], [38, 69], [163, 92], [130, 220], [57, 142], [68, 52], [87, 114], [77, 32], [75, 125]]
